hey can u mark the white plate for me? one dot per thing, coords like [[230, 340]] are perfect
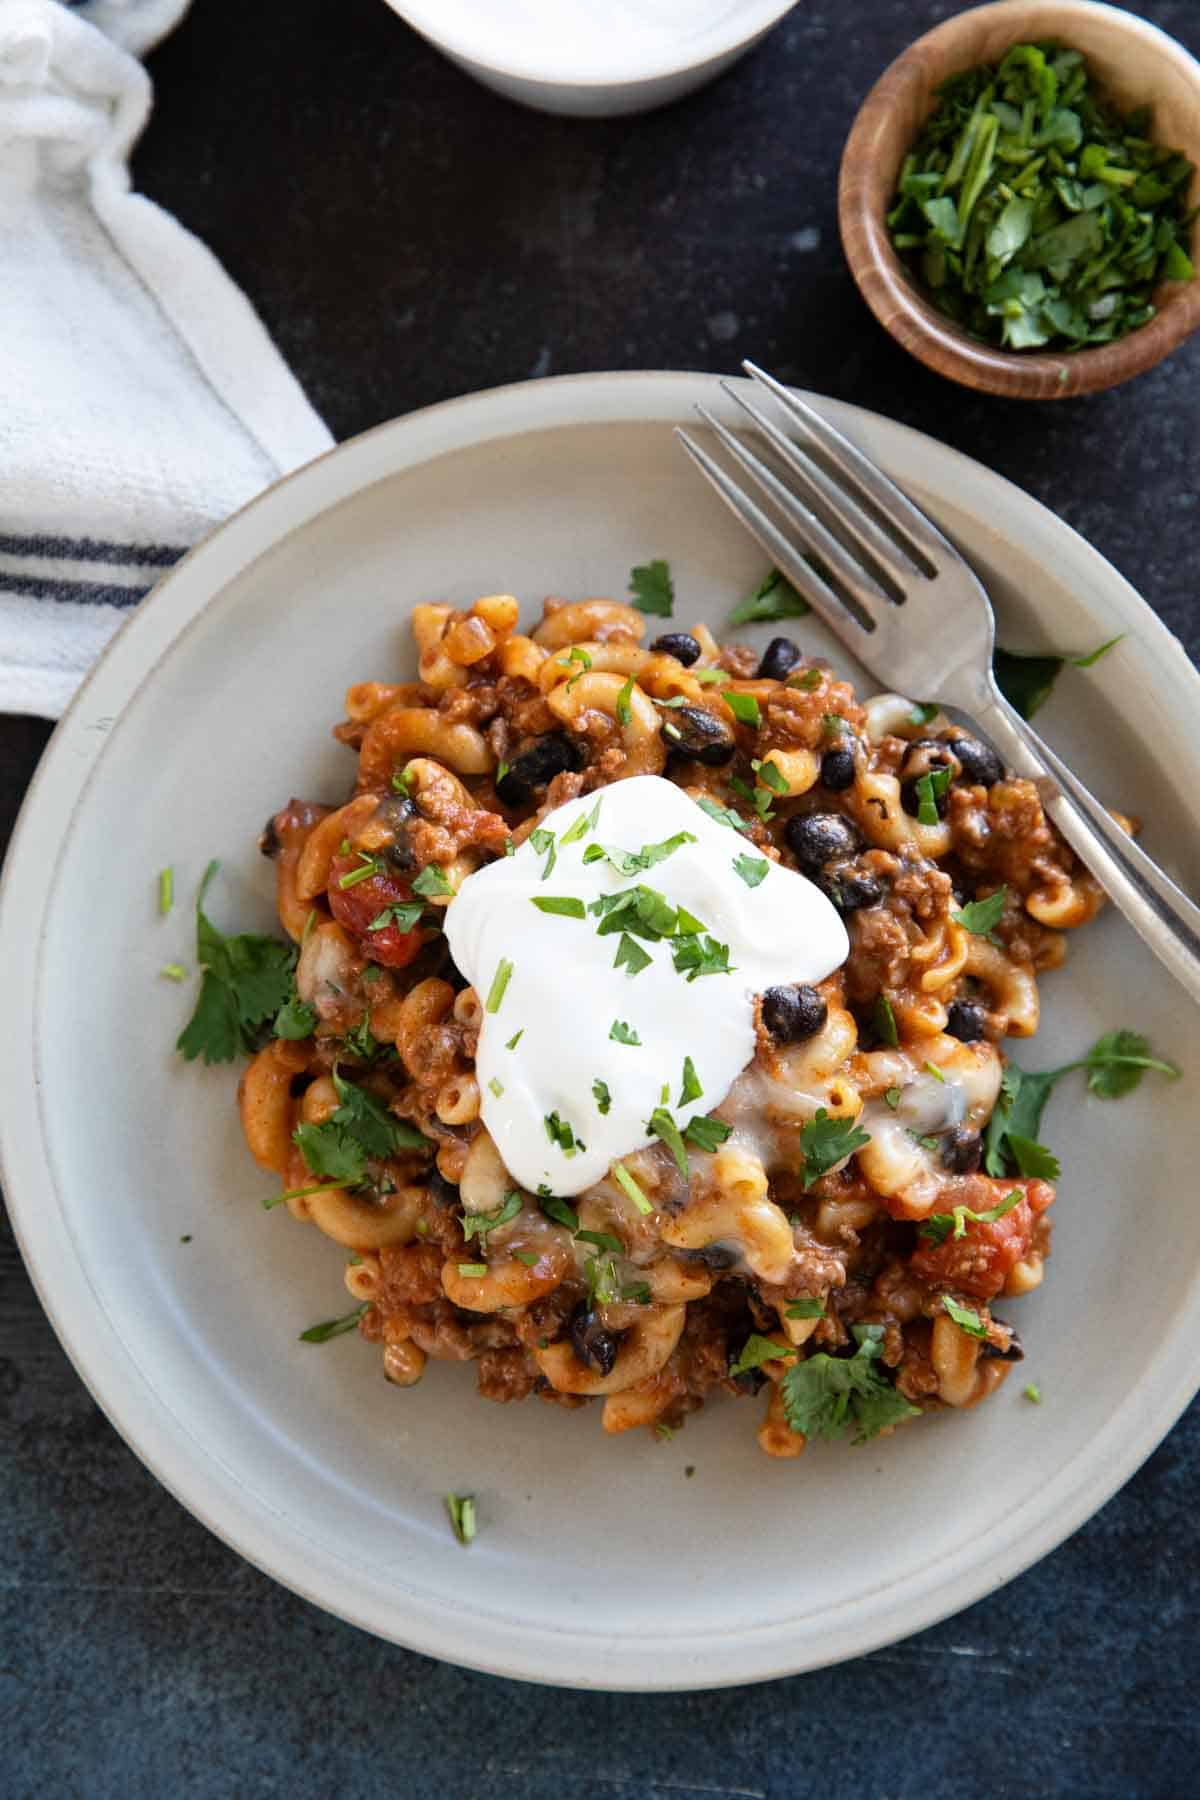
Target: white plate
[[598, 1562]]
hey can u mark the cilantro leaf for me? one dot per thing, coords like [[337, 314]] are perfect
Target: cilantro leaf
[[247, 981], [565, 906], [432, 880], [806, 1307], [981, 917], [630, 956], [1027, 681], [331, 1328], [660, 1124], [707, 1133], [694, 957], [630, 1187], [332, 1152], [690, 1088], [756, 1351], [623, 1034], [744, 707], [1116, 1063], [825, 1141], [480, 1224], [295, 1018], [885, 1020], [773, 598], [825, 1396], [965, 1318], [602, 1094], [1033, 1159], [724, 815], [652, 588], [559, 1211], [752, 869]]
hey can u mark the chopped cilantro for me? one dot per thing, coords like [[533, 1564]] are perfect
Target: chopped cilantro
[[982, 916], [629, 1186], [892, 1097], [773, 598], [528, 1257], [577, 654], [173, 972], [693, 958], [691, 1088], [499, 987], [623, 711], [583, 824], [496, 1087], [431, 881], [560, 1133], [660, 1124], [724, 815], [938, 1226], [1026, 681], [652, 588], [558, 1210], [623, 1034], [752, 869], [707, 1133], [166, 890], [543, 843], [930, 788], [965, 1318], [368, 866], [360, 1130], [1033, 1392], [1115, 1065], [923, 711], [756, 1351], [565, 906], [770, 774], [402, 779], [603, 1240], [630, 956], [461, 1513], [480, 1224], [403, 915], [932, 1069], [806, 1308], [515, 1039], [744, 707], [473, 1271], [808, 682], [1033, 212], [824, 1142], [602, 1095], [502, 769], [824, 1396], [885, 1020], [331, 1328], [636, 862], [247, 979]]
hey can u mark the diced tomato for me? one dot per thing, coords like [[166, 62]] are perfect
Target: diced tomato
[[981, 1261], [356, 907]]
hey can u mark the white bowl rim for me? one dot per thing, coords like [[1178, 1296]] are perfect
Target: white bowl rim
[[745, 22], [214, 1492]]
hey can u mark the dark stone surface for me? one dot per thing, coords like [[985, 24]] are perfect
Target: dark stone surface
[[408, 237]]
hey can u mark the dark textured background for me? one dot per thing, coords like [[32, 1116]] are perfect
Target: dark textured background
[[408, 237]]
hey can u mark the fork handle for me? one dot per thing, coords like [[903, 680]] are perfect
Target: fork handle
[[1161, 913]]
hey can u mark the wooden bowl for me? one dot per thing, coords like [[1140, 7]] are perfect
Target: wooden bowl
[[1136, 64]]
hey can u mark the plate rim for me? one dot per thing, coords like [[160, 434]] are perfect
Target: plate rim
[[159, 1437]]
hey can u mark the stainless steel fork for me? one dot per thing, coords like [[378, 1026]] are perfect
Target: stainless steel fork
[[908, 607]]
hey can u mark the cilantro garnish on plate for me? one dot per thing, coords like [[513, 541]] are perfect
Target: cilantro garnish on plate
[[247, 980], [1115, 1065]]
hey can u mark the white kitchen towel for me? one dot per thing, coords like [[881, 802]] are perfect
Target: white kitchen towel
[[141, 400]]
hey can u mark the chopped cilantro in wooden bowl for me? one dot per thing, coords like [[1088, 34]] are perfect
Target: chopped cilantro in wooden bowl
[[1018, 197]]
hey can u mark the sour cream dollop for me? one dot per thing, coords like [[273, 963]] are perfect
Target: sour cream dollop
[[576, 1049]]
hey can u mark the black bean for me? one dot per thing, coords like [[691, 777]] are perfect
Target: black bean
[[851, 892], [679, 644], [979, 763], [792, 1013], [268, 839], [395, 813], [441, 1191], [1015, 1351], [694, 732], [593, 1343], [962, 1151], [536, 766], [964, 1021], [815, 839], [779, 659], [837, 768]]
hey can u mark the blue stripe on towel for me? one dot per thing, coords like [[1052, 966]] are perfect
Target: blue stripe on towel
[[88, 593], [158, 556]]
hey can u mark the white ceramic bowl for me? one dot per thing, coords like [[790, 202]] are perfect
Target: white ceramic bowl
[[593, 58], [598, 1562]]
